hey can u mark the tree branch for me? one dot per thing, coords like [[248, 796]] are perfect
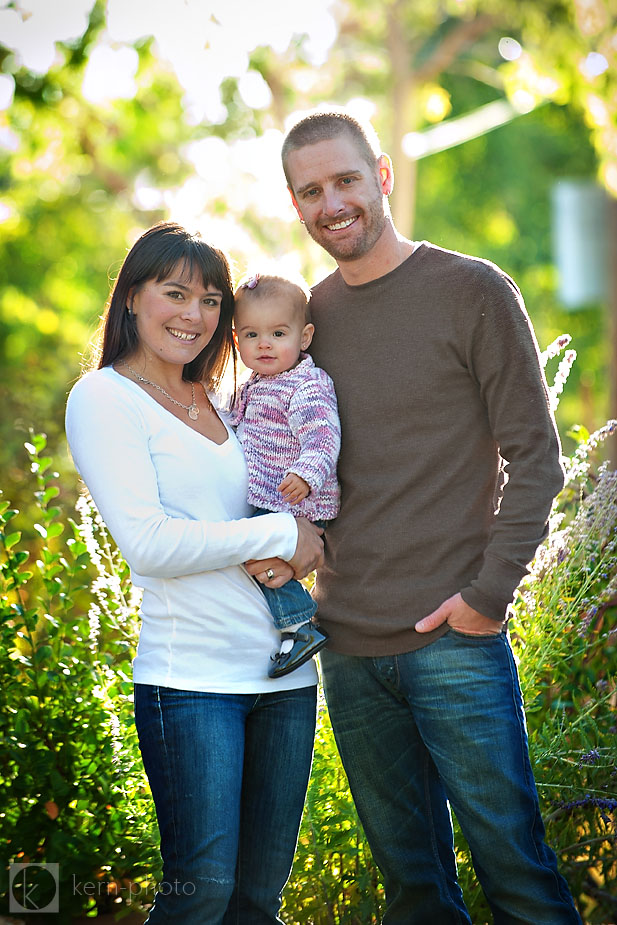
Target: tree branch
[[465, 33]]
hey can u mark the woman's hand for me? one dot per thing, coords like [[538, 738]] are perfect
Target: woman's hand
[[308, 556], [309, 549], [262, 569]]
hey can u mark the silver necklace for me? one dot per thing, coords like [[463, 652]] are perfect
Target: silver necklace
[[192, 410]]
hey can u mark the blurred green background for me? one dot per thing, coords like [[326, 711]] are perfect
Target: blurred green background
[[118, 114]]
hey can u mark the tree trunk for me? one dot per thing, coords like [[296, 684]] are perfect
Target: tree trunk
[[404, 119]]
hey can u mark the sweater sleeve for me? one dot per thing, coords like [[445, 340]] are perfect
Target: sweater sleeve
[[109, 441], [504, 359], [239, 405], [314, 421]]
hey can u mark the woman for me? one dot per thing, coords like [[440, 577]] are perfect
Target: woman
[[227, 751]]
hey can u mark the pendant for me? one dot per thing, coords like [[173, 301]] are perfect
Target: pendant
[[193, 412]]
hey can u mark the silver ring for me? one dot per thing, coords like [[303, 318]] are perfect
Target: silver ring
[[269, 574]]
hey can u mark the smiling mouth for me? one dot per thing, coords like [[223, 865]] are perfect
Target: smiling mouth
[[338, 226], [182, 335]]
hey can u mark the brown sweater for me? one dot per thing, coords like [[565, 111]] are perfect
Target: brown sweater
[[440, 393]]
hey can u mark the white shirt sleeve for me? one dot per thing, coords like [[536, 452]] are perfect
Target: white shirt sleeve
[[109, 436]]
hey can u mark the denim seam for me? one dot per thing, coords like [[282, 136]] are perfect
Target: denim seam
[[528, 770], [438, 864], [427, 798], [171, 782], [397, 676]]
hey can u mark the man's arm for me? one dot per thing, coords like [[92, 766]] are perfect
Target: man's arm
[[503, 358]]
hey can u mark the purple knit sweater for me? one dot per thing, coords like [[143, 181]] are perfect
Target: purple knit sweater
[[289, 423]]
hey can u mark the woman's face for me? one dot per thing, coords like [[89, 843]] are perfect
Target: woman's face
[[175, 318]]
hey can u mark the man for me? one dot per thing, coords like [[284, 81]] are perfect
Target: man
[[442, 401]]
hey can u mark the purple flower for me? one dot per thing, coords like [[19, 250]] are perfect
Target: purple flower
[[590, 757], [603, 806]]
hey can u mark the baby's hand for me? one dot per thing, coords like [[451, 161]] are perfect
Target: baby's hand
[[293, 488]]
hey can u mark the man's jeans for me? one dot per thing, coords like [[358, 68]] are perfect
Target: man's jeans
[[228, 774], [445, 723]]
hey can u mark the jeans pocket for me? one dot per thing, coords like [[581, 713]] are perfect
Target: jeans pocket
[[475, 637]]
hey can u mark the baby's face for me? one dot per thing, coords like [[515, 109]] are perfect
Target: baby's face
[[270, 333]]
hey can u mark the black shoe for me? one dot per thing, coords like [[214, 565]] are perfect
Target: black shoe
[[308, 640]]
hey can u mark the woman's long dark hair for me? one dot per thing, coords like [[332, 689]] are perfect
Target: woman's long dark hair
[[154, 256]]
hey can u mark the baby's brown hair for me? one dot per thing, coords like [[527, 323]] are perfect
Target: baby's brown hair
[[263, 287]]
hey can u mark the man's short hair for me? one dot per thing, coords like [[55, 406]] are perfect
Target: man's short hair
[[324, 126]]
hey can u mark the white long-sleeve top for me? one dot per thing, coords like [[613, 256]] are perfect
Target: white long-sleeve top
[[175, 504]]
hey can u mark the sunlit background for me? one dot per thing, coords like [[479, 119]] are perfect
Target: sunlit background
[[203, 44]]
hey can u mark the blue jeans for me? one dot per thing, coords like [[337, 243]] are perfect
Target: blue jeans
[[442, 726], [292, 603], [228, 773], [289, 605]]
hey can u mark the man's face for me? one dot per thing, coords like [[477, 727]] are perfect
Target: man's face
[[338, 196]]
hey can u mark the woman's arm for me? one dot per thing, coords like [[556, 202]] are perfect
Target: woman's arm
[[308, 556], [108, 435]]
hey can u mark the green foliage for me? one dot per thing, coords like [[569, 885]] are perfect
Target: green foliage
[[71, 785], [334, 879], [566, 639], [68, 191]]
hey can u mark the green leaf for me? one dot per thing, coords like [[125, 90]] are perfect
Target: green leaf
[[8, 515], [40, 441], [52, 492], [41, 654], [11, 539], [22, 723], [44, 462], [579, 433], [77, 547]]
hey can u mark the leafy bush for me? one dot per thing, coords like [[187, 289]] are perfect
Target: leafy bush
[[566, 637], [71, 784]]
